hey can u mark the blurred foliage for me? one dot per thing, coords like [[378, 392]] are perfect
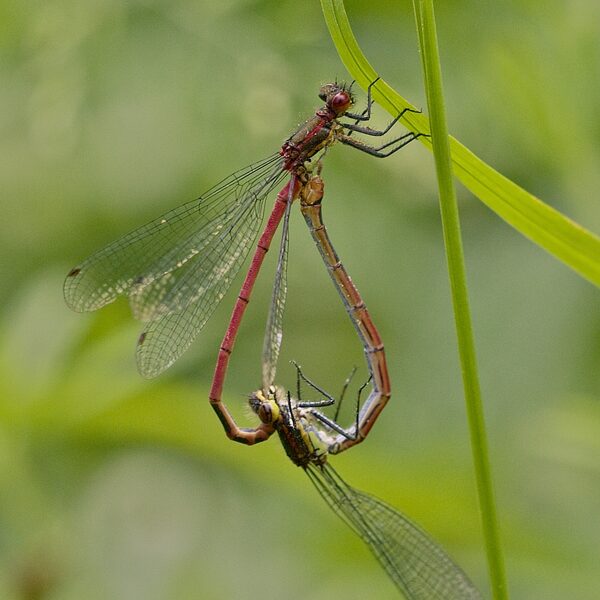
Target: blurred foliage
[[115, 487]]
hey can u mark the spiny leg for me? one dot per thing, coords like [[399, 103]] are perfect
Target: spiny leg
[[365, 115], [377, 152], [343, 393], [331, 423], [378, 132], [318, 403]]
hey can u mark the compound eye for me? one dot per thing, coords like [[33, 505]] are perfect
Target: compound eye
[[264, 413], [341, 101], [268, 412]]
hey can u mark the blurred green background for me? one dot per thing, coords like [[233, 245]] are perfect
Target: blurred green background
[[114, 487]]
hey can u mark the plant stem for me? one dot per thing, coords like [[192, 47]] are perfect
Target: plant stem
[[458, 283]]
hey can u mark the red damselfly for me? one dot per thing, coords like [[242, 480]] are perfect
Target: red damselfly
[[177, 268]]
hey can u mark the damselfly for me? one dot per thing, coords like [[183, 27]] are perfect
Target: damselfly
[[177, 268]]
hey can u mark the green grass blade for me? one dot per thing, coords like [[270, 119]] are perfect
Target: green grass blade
[[458, 283], [564, 239]]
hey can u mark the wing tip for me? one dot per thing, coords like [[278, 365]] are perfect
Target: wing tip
[[149, 364]]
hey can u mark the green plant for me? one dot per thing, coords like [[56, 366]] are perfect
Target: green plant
[[542, 224]]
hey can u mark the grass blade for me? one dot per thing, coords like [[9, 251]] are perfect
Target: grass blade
[[458, 283], [564, 239]]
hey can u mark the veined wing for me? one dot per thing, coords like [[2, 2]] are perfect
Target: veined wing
[[170, 333], [164, 245], [198, 279], [419, 567], [274, 329]]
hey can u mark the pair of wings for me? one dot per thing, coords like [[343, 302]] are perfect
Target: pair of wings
[[177, 268]]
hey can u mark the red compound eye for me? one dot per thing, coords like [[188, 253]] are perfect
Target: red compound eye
[[341, 101]]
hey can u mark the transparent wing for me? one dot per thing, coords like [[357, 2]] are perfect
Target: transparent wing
[[143, 263], [205, 277], [170, 333], [274, 329], [419, 567]]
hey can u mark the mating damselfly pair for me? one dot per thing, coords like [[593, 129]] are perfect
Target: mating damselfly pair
[[177, 268]]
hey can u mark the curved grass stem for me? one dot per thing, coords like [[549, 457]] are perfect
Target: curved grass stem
[[545, 226]]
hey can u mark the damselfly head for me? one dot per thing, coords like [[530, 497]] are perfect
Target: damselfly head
[[337, 97], [265, 407]]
